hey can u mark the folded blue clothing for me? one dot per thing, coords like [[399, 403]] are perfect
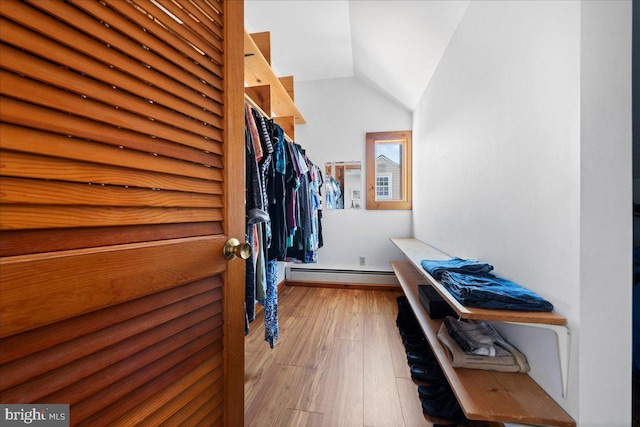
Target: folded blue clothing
[[492, 293], [436, 267]]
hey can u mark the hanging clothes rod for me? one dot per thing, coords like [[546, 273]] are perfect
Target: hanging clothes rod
[[262, 113]]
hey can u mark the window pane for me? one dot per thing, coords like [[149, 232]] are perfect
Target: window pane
[[383, 187], [389, 170]]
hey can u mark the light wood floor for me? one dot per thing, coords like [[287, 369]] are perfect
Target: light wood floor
[[339, 361]]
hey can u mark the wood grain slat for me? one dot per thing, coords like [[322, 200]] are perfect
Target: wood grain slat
[[191, 412], [205, 18], [22, 242], [74, 63], [158, 408], [209, 414], [187, 87], [25, 191], [23, 217], [25, 115], [22, 345], [125, 38], [82, 84], [80, 379], [27, 368], [126, 364], [67, 284], [38, 142], [190, 59], [214, 9], [192, 35], [24, 89], [141, 386], [156, 44], [39, 167]]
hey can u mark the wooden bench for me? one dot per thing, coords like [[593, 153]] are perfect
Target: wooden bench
[[483, 395]]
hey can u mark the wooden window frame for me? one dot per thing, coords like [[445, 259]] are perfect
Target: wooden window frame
[[404, 139]]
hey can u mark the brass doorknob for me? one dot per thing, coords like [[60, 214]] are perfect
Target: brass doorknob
[[233, 248]]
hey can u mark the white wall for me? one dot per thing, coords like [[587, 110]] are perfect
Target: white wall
[[339, 112], [605, 220], [515, 157]]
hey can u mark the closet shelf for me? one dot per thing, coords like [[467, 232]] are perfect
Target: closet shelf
[[483, 395], [264, 88], [288, 131], [416, 251]]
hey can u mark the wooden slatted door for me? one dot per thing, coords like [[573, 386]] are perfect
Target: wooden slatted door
[[121, 178]]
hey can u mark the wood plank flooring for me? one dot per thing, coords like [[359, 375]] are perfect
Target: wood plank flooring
[[339, 361]]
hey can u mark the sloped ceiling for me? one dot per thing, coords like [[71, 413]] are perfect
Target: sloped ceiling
[[394, 45]]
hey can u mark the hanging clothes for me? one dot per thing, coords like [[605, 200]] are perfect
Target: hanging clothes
[[270, 304], [334, 194], [254, 213], [276, 192], [305, 224], [283, 204]]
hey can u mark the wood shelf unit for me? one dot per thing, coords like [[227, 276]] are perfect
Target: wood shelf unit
[[483, 395], [273, 95], [416, 251]]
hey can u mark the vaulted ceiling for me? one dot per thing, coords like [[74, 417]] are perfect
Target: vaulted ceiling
[[394, 45]]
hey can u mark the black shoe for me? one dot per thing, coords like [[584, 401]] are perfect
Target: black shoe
[[434, 391], [404, 307], [447, 408], [406, 318], [417, 340], [403, 301], [430, 373], [420, 358], [407, 323], [417, 346], [415, 334]]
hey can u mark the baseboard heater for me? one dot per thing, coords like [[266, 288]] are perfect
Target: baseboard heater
[[338, 275]]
